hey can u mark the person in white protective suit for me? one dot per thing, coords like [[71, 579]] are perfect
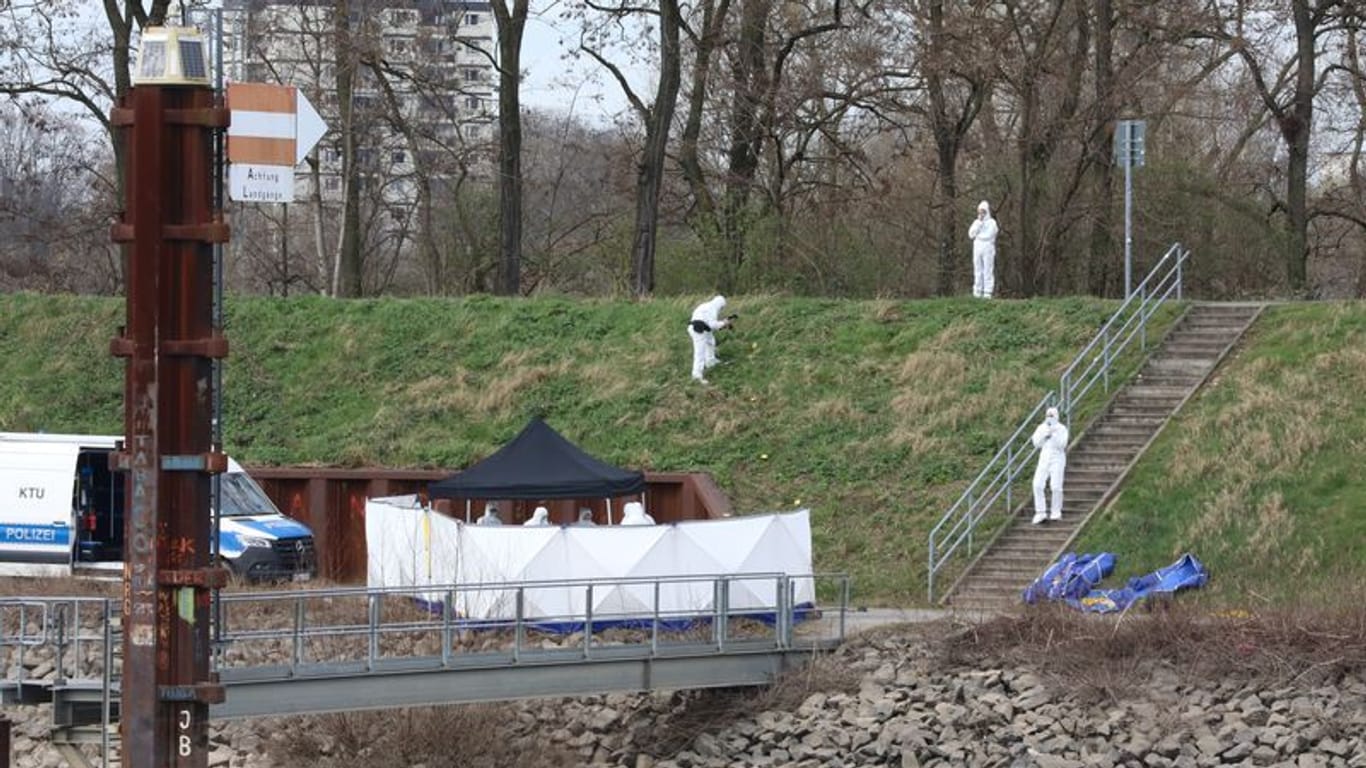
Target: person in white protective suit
[[1050, 438], [490, 516], [585, 517], [706, 321], [983, 233], [634, 514], [539, 516]]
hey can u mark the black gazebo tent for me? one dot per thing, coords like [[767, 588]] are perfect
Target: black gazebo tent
[[539, 463]]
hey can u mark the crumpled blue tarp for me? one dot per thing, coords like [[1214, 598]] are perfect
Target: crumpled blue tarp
[[1073, 579]]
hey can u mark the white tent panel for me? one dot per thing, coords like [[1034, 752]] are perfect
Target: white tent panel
[[409, 546], [771, 553]]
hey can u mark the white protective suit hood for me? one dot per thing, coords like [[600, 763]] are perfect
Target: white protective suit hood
[[985, 206], [541, 516], [634, 514], [710, 310]]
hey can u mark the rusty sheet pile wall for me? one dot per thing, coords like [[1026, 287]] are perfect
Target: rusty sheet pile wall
[[332, 503]]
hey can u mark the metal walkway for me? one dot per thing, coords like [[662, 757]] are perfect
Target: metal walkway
[[313, 651]]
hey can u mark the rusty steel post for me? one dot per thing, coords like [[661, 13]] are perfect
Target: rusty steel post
[[169, 341]]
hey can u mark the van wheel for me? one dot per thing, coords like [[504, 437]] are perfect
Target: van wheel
[[226, 565]]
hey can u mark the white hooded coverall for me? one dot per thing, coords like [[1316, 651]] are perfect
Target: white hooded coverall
[[634, 514], [983, 233], [1050, 438], [539, 516], [706, 320]]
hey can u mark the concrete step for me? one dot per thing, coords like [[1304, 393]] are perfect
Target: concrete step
[[1089, 474], [1102, 453], [1204, 330], [1110, 443], [1125, 418], [1217, 316], [995, 587], [1148, 389], [1185, 347], [1183, 371], [1123, 433], [1172, 380], [1019, 579], [1135, 411], [1084, 487], [1219, 330], [1032, 552], [1016, 562], [1041, 535], [1111, 464], [1166, 396]]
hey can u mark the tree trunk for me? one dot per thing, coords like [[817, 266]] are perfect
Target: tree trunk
[[348, 276], [650, 179], [703, 214], [748, 74], [510, 27], [1296, 127], [1103, 251]]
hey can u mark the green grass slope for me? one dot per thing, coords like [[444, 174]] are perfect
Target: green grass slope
[[1263, 475], [873, 413]]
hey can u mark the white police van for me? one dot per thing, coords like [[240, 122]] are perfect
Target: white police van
[[62, 513]]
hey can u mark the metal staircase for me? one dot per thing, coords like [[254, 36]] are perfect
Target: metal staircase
[[1119, 345]]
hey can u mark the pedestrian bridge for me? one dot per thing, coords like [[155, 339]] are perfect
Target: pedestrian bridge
[[301, 651]]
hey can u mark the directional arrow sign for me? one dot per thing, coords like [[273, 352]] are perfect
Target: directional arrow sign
[[273, 128], [308, 128]]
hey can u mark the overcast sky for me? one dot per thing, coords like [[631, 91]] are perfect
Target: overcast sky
[[553, 81]]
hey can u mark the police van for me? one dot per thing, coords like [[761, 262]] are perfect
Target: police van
[[62, 513]]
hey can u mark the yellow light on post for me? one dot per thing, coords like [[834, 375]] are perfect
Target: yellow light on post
[[172, 56]]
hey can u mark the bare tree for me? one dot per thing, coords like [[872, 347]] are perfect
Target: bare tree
[[657, 117], [54, 208], [511, 24], [956, 68], [1287, 87]]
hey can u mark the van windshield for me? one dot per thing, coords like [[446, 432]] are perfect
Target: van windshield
[[242, 496]]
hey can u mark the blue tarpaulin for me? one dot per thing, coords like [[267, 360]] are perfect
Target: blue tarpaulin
[[1073, 579]]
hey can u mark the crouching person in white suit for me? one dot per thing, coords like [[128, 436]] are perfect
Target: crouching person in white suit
[[634, 514], [540, 516], [706, 321], [1050, 438]]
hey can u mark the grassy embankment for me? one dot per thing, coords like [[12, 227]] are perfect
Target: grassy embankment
[[873, 413], [1263, 475]]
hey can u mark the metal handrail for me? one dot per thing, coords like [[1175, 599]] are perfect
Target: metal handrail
[[300, 626], [1092, 365]]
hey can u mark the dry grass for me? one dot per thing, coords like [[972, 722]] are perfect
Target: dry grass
[[1107, 657], [58, 587], [471, 736]]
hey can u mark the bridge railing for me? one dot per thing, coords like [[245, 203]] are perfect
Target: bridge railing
[[354, 630], [992, 490], [289, 633]]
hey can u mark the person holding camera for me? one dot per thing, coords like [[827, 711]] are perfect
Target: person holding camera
[[706, 321], [1050, 438]]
